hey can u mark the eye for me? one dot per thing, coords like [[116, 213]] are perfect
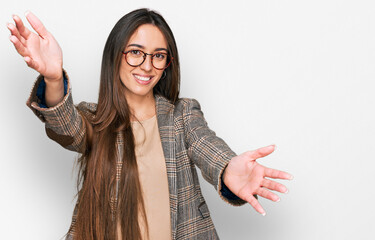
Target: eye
[[159, 56], [135, 52]]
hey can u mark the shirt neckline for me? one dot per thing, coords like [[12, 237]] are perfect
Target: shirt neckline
[[143, 121]]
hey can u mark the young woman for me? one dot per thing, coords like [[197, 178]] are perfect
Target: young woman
[[140, 143]]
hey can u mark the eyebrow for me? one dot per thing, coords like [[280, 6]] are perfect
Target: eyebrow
[[142, 47]]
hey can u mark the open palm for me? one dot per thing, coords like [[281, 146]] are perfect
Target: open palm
[[246, 178], [40, 51]]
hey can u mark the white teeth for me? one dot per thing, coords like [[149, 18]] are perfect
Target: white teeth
[[142, 78]]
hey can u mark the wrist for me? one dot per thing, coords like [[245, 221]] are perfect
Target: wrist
[[56, 78], [223, 175]]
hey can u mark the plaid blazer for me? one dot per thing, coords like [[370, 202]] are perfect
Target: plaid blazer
[[186, 140]]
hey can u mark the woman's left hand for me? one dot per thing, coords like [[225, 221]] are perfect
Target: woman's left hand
[[245, 178]]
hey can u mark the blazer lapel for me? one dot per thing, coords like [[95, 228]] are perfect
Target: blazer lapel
[[164, 111]]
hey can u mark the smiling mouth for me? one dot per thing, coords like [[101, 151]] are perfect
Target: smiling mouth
[[141, 78]]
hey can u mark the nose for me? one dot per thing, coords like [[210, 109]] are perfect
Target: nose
[[147, 64]]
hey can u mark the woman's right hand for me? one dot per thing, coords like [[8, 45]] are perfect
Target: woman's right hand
[[40, 52]]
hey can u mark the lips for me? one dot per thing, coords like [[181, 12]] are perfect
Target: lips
[[143, 79]]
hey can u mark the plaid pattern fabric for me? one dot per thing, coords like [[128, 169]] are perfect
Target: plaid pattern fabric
[[187, 142]]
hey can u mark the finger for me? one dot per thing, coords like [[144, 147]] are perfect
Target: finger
[[25, 33], [19, 46], [275, 186], [31, 63], [36, 24], [273, 173], [267, 194], [260, 152], [255, 204], [13, 30]]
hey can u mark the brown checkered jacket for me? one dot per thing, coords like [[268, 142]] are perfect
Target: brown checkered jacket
[[187, 142]]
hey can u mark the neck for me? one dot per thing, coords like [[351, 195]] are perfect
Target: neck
[[141, 107]]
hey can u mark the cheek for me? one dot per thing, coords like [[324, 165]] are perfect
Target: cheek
[[159, 75], [125, 72]]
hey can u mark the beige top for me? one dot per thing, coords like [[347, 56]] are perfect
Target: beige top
[[153, 178]]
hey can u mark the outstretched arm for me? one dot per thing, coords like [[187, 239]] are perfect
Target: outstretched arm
[[64, 122], [41, 52], [245, 178]]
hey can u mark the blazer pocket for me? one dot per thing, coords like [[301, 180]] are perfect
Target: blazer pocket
[[203, 209]]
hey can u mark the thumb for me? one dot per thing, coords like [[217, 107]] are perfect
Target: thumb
[[32, 64], [260, 152]]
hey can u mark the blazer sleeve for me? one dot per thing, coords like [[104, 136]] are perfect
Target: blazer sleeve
[[63, 122], [209, 152]]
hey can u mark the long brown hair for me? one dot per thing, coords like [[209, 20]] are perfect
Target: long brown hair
[[98, 212]]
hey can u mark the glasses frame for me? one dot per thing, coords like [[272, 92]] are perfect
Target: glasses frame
[[145, 56]]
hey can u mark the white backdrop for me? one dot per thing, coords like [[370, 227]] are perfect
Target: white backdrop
[[298, 74]]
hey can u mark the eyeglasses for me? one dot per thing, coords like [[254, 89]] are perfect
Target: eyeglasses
[[159, 60]]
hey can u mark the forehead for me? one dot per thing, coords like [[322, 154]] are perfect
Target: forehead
[[148, 36]]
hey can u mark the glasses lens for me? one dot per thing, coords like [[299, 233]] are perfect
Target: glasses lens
[[137, 57], [134, 57], [160, 60]]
